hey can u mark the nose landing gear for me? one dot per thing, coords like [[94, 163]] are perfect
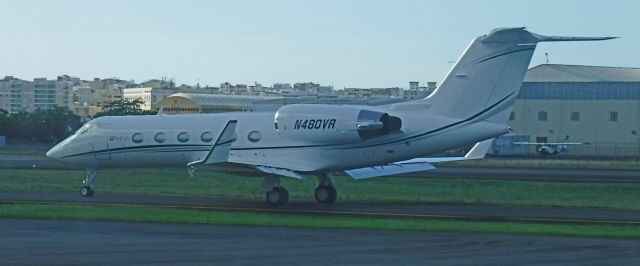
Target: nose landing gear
[[87, 189]]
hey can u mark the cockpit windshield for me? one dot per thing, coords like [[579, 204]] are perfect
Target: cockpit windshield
[[84, 129]]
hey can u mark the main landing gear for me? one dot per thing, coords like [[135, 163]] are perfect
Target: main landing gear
[[278, 196], [87, 185], [325, 192], [275, 194]]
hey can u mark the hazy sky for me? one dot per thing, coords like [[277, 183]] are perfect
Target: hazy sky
[[342, 42]]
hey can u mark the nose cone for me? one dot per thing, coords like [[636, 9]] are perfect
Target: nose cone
[[54, 153]]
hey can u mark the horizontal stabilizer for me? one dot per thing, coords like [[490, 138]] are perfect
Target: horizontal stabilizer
[[279, 171], [219, 152], [522, 36]]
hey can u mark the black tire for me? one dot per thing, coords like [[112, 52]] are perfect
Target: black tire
[[326, 194], [86, 191], [277, 196]]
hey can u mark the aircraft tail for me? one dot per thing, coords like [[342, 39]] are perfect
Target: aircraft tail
[[485, 80]]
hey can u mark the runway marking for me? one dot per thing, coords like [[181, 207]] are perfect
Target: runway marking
[[353, 213]]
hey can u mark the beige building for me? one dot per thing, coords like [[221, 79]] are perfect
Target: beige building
[[18, 95], [186, 103], [598, 105]]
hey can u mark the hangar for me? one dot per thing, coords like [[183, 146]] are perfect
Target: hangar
[[185, 103], [594, 104], [191, 103]]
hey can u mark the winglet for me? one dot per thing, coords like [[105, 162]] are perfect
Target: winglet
[[219, 152], [479, 150]]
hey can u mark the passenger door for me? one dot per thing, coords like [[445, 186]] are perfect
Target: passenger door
[[100, 148]]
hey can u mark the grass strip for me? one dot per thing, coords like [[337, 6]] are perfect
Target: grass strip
[[190, 216], [555, 162], [396, 189]]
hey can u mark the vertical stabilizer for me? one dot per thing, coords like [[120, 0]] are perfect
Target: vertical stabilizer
[[486, 79]]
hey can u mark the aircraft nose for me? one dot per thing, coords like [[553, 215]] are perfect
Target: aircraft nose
[[53, 153]]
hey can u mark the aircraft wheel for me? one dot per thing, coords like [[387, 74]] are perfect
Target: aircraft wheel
[[86, 191], [326, 194], [278, 196]]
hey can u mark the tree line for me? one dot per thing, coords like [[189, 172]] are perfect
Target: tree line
[[50, 126]]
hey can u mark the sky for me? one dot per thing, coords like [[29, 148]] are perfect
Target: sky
[[344, 43]]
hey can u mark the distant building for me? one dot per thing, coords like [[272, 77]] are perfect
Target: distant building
[[147, 94], [283, 88], [159, 84], [18, 95], [416, 92], [396, 92], [185, 103], [310, 88], [594, 104], [413, 93]]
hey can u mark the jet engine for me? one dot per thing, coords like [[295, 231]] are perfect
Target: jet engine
[[333, 123]]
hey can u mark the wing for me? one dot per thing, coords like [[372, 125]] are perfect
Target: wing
[[278, 171], [417, 164]]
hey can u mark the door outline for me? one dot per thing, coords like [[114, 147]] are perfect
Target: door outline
[[100, 145]]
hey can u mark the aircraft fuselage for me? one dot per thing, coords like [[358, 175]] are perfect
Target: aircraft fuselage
[[176, 140]]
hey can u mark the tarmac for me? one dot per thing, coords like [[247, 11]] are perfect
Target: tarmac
[[49, 242], [476, 212]]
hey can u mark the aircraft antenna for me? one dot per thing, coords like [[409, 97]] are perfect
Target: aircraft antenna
[[546, 55]]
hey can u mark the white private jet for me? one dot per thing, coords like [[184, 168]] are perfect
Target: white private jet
[[472, 105]]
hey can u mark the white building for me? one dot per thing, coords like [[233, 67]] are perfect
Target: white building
[[148, 95]]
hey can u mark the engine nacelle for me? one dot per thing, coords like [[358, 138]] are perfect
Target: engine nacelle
[[333, 123]]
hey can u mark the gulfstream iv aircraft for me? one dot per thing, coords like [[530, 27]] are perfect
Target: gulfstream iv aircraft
[[472, 105]]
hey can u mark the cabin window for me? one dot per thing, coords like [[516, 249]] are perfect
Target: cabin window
[[137, 137], [183, 137], [206, 136], [160, 137]]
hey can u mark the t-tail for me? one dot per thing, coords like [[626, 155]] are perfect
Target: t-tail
[[485, 80]]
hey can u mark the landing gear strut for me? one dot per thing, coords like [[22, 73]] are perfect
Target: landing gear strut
[[87, 185], [275, 194], [325, 191]]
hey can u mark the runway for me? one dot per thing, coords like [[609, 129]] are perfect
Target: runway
[[476, 212], [42, 242]]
